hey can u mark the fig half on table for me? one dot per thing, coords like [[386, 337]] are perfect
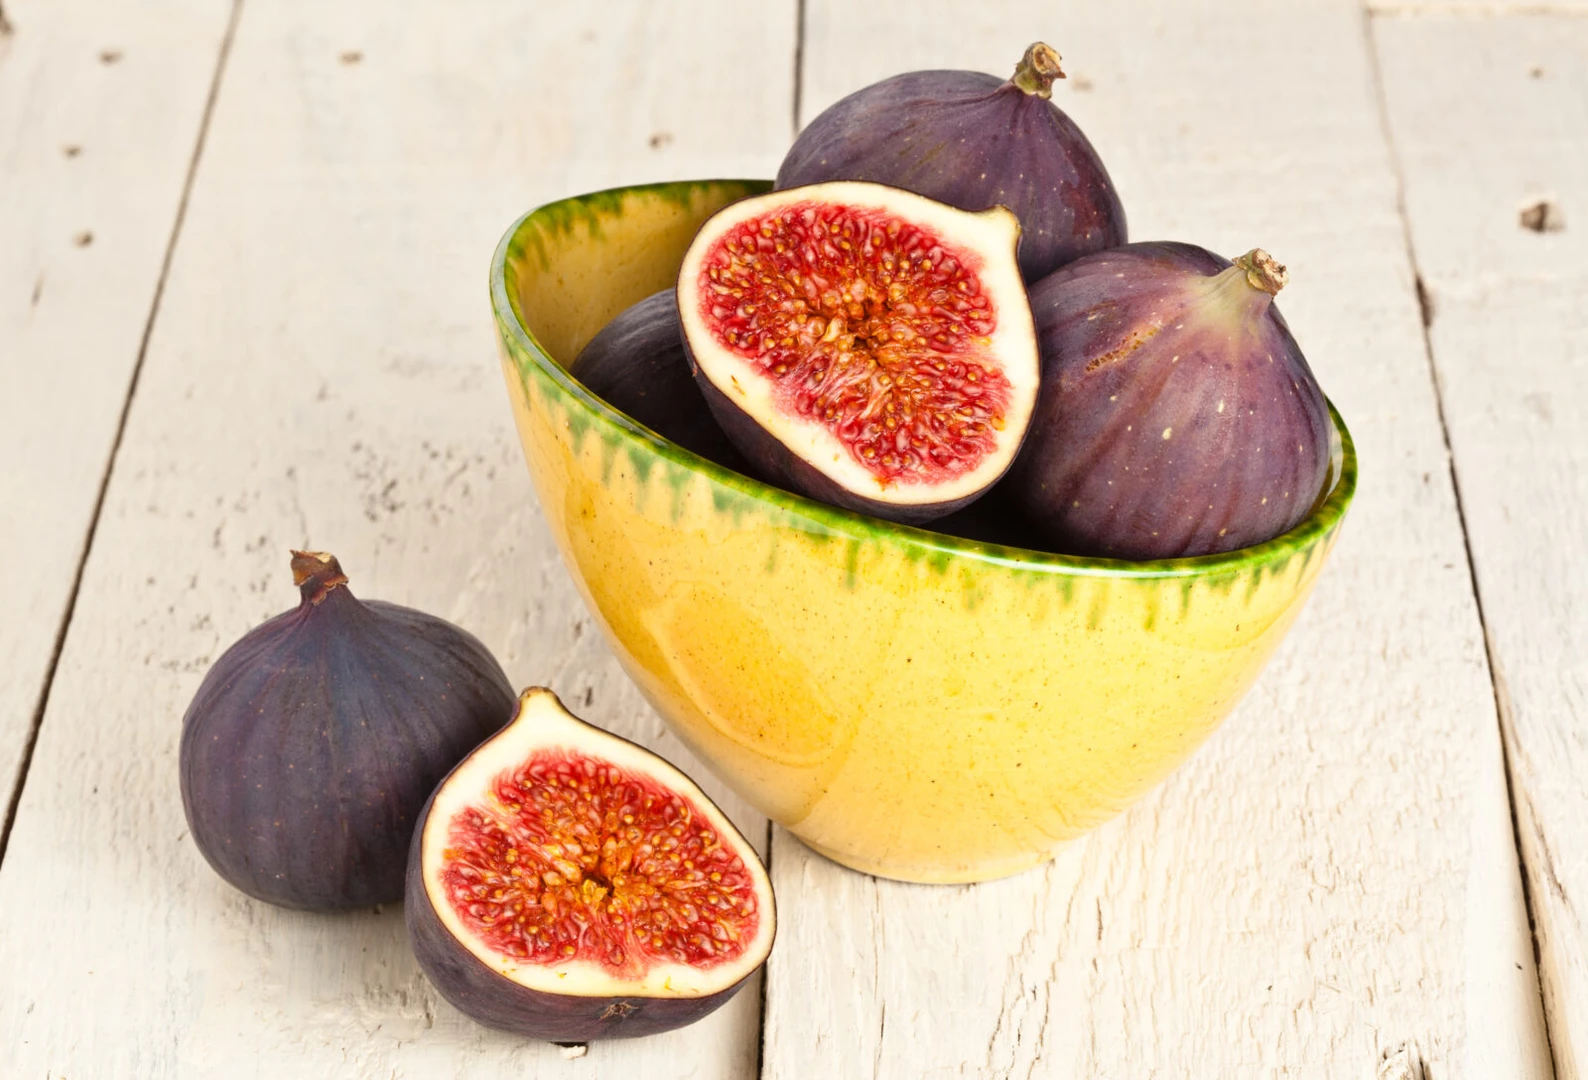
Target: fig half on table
[[568, 885]]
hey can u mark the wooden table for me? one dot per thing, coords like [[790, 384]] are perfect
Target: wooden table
[[243, 249]]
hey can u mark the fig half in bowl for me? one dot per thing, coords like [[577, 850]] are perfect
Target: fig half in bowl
[[910, 704]]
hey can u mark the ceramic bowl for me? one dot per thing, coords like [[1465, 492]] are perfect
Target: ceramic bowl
[[909, 704]]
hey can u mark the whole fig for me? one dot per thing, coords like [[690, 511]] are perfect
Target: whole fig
[[973, 141], [313, 743], [1177, 415], [637, 363]]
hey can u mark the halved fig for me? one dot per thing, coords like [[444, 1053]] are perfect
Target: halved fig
[[637, 363], [568, 885], [973, 140], [1178, 416], [863, 345]]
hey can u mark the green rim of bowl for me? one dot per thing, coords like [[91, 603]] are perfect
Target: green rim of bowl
[[590, 210]]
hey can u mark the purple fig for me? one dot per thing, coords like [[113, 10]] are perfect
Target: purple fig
[[1177, 415], [973, 141], [637, 364], [863, 345], [313, 742], [568, 885], [992, 519]]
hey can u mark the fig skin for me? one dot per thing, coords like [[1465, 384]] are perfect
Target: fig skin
[[313, 742], [637, 364], [1163, 429], [973, 141], [992, 519], [490, 997]]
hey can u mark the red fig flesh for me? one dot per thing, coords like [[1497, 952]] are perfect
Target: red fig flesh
[[1177, 416], [973, 141], [863, 345], [313, 742], [568, 885]]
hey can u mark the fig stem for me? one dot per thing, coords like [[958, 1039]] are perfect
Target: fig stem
[[1037, 70], [1263, 271], [316, 573]]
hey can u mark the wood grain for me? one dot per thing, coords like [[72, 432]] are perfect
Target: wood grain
[[100, 108], [1330, 885], [1509, 336], [323, 372]]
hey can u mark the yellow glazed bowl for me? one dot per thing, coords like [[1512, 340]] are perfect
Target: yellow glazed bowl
[[909, 704]]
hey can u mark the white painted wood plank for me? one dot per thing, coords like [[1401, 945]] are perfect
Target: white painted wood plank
[[323, 372], [1510, 343], [1478, 8], [100, 107], [1333, 878]]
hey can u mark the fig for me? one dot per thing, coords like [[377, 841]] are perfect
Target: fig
[[567, 885], [973, 141], [989, 520], [313, 742], [863, 345], [1177, 415], [637, 364]]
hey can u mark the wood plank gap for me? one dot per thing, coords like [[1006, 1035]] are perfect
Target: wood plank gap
[[794, 130], [760, 1043], [799, 84], [37, 720], [1501, 709]]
